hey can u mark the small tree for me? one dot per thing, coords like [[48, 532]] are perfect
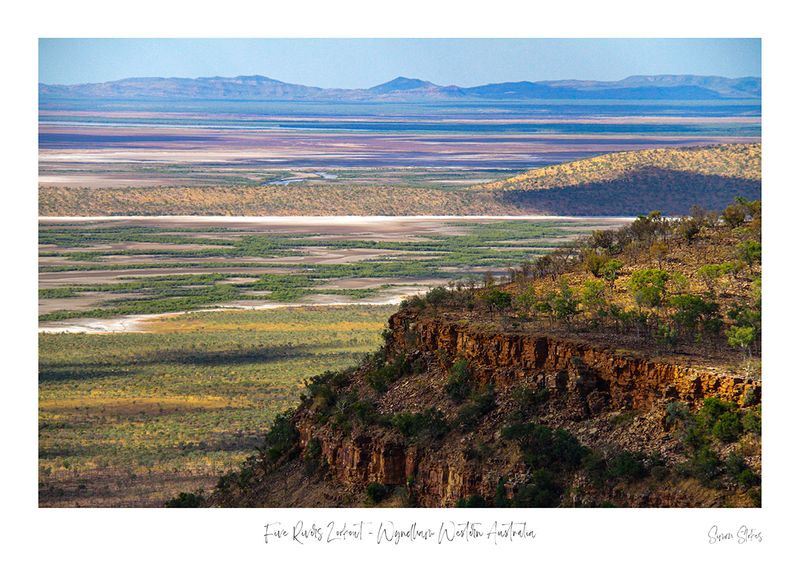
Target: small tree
[[734, 215], [604, 240], [709, 274], [742, 338], [659, 250], [610, 271], [646, 228], [526, 269], [593, 297], [458, 381], [565, 303], [594, 262], [752, 207], [750, 252], [545, 306], [678, 283], [648, 287], [498, 300], [688, 229], [696, 317], [526, 300]]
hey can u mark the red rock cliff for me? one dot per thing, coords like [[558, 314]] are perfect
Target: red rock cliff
[[599, 379]]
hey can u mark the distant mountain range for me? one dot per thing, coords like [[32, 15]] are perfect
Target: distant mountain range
[[256, 87]]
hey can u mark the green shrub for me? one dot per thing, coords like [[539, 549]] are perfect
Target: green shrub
[[350, 408], [542, 491], [429, 423], [497, 299], [526, 300], [437, 296], [516, 431], [677, 412], [688, 229], [627, 466], [593, 296], [737, 469], [472, 501], [384, 374], [596, 467], [527, 400], [741, 337], [543, 447], [718, 418], [594, 262], [679, 283], [704, 465], [565, 303], [666, 335], [748, 478], [479, 406], [364, 411], [312, 458], [709, 274], [751, 421], [713, 408], [696, 436], [735, 464], [320, 391], [458, 387], [610, 271], [659, 472], [695, 316], [377, 492], [734, 215], [415, 302], [727, 428], [648, 286], [186, 500], [281, 439], [750, 252], [645, 228]]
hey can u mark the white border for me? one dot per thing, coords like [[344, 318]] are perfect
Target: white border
[[234, 536]]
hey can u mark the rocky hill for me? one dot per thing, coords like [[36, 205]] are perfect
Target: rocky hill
[[617, 184], [634, 182], [621, 372]]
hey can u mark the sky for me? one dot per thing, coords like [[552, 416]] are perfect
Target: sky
[[362, 63]]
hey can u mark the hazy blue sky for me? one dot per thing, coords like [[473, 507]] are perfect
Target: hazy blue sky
[[355, 63]]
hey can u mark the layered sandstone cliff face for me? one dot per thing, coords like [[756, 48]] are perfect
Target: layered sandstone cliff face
[[591, 389], [626, 381]]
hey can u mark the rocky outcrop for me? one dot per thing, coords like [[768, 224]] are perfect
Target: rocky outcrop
[[627, 381], [436, 481], [593, 381]]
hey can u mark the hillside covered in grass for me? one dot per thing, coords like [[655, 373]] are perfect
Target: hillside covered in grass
[[616, 184], [635, 182], [622, 371]]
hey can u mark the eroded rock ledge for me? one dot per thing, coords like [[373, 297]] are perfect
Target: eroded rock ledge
[[593, 381], [630, 382]]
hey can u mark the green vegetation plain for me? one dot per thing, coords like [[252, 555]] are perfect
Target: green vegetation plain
[[127, 419], [108, 269]]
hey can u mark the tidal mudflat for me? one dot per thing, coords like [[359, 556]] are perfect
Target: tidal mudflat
[[109, 273]]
